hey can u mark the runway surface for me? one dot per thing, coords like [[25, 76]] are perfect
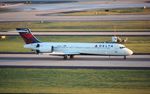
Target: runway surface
[[45, 61], [78, 5], [49, 12], [29, 16], [14, 33]]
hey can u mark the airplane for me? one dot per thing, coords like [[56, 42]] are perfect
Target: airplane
[[69, 50]]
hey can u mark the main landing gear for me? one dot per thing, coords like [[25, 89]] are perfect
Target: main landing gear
[[66, 57]]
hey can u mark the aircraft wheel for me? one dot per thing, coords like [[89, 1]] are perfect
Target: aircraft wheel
[[125, 57], [65, 57], [71, 56], [37, 51]]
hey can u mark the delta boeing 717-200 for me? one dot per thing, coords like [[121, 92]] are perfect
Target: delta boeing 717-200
[[68, 50]]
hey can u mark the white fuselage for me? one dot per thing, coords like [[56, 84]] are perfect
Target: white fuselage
[[60, 48]]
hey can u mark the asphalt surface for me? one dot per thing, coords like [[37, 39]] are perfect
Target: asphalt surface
[[44, 12], [21, 16], [14, 33], [92, 62], [80, 5]]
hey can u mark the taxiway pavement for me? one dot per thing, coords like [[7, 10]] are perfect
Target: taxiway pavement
[[21, 16], [32, 60], [51, 12], [14, 33]]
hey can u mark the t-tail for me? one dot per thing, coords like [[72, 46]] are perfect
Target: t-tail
[[27, 36]]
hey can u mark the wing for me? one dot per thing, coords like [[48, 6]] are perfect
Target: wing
[[62, 53]]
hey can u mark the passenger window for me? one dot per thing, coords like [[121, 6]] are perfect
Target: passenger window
[[122, 47]]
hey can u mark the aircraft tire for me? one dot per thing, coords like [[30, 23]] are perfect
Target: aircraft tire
[[65, 57]]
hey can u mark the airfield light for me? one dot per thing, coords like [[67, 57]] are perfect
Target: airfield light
[[3, 37]]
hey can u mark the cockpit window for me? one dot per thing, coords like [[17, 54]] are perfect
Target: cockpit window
[[122, 47]]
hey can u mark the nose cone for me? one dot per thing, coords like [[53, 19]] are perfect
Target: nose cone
[[129, 52]]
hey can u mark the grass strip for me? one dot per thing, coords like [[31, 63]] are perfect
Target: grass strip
[[60, 81], [79, 26], [123, 11], [80, 81]]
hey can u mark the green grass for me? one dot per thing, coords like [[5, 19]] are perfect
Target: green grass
[[12, 44], [79, 26], [15, 44], [108, 12], [139, 47], [74, 81]]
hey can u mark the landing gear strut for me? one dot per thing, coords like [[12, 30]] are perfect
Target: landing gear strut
[[71, 56], [125, 57], [65, 57]]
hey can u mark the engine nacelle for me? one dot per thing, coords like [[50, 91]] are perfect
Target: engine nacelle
[[44, 48]]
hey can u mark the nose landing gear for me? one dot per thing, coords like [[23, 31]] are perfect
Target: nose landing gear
[[125, 57]]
